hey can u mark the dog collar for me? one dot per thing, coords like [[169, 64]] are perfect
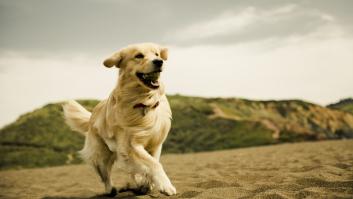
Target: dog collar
[[141, 105]]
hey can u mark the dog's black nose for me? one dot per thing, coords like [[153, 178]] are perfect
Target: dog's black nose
[[158, 63]]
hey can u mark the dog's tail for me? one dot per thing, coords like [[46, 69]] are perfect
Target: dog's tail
[[76, 116]]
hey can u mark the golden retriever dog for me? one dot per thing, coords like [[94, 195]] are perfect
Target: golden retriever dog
[[130, 126]]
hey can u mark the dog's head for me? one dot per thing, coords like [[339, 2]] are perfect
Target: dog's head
[[140, 62]]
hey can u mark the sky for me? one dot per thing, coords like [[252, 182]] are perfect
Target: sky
[[52, 51]]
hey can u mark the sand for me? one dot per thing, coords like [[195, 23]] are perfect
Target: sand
[[303, 170]]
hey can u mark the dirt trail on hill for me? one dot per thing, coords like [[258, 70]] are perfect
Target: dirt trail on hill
[[302, 170]]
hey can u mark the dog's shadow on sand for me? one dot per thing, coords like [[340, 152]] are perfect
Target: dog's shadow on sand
[[93, 197]]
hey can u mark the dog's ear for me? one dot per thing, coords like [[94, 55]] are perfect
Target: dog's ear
[[164, 53], [114, 60]]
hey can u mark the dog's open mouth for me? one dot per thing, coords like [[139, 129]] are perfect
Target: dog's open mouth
[[150, 79]]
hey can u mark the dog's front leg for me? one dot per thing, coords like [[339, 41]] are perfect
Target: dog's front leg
[[156, 152], [155, 169]]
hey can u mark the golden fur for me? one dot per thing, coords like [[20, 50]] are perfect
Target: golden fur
[[118, 131]]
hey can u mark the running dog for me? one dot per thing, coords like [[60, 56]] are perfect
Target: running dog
[[129, 127]]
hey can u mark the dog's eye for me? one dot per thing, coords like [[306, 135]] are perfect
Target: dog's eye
[[157, 54], [139, 56]]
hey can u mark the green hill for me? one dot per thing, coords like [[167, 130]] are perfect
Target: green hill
[[343, 105], [40, 138]]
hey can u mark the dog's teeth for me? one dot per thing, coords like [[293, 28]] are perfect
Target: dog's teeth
[[154, 83]]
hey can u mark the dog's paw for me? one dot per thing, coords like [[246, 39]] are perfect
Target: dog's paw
[[164, 186], [168, 190], [142, 190], [113, 192]]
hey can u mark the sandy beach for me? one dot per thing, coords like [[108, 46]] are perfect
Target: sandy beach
[[302, 170]]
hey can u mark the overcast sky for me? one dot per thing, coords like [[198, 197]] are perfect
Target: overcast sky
[[53, 50]]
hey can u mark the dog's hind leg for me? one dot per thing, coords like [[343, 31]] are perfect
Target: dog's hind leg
[[97, 154], [103, 168]]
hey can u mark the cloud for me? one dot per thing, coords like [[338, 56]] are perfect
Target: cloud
[[252, 23], [229, 22], [91, 26]]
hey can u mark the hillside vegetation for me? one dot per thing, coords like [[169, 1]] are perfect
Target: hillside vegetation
[[343, 105], [40, 138]]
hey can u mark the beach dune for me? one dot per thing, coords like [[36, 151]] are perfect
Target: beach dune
[[302, 170]]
